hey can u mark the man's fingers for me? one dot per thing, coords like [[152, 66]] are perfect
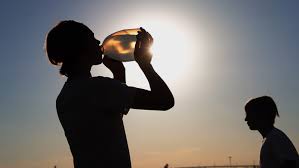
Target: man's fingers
[[151, 38], [142, 29], [144, 39]]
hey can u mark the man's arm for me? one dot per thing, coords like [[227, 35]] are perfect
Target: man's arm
[[120, 76], [160, 96], [116, 67]]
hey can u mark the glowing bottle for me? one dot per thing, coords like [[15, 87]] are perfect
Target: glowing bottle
[[120, 45]]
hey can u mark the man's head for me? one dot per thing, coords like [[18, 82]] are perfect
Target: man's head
[[73, 46], [260, 112]]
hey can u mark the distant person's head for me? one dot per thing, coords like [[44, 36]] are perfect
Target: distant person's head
[[72, 46], [260, 112]]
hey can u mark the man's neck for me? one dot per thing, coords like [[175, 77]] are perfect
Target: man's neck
[[265, 130], [80, 75]]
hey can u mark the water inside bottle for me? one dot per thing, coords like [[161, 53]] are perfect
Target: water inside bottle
[[120, 45]]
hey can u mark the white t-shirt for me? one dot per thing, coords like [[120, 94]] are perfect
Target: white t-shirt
[[277, 148]]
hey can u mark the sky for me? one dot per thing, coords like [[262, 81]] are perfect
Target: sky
[[214, 55]]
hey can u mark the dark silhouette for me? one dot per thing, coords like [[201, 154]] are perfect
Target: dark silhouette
[[90, 109], [277, 149]]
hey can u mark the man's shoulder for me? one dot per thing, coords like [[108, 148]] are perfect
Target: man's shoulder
[[104, 80], [277, 134], [101, 78], [282, 146], [279, 139]]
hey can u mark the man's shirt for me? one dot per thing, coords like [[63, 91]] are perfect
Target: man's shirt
[[90, 111]]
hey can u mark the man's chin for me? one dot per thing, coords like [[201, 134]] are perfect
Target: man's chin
[[252, 128], [98, 62]]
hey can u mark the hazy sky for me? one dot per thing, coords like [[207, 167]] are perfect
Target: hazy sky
[[215, 56]]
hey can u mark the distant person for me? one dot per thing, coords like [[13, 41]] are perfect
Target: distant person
[[90, 109], [277, 150]]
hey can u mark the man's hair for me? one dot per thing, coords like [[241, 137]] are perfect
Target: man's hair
[[264, 107], [64, 44]]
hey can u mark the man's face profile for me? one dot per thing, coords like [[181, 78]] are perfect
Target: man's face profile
[[252, 119]]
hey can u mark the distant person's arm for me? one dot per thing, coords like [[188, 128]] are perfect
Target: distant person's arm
[[116, 67], [160, 96]]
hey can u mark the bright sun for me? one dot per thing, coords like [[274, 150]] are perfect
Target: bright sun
[[174, 50]]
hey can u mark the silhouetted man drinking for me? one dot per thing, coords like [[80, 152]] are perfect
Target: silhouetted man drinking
[[277, 149], [90, 109]]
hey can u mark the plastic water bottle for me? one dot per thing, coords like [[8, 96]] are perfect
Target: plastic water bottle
[[121, 44]]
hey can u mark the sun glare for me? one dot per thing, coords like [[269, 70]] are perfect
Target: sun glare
[[174, 50]]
